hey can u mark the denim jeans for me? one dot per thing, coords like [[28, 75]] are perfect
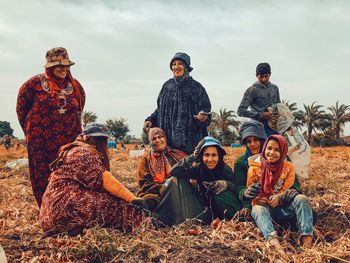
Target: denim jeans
[[303, 211]]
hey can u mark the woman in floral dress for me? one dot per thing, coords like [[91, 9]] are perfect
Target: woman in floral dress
[[49, 107]]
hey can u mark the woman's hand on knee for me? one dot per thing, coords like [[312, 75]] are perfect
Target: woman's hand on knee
[[262, 200], [274, 200]]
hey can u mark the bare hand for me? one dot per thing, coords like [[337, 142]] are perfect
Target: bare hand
[[201, 117], [147, 125], [274, 200], [270, 116], [262, 200]]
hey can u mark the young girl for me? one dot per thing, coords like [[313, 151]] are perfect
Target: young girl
[[276, 175]]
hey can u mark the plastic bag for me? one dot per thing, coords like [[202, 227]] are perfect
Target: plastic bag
[[299, 152], [285, 118]]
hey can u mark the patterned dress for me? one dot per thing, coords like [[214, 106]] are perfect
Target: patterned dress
[[48, 123], [75, 197]]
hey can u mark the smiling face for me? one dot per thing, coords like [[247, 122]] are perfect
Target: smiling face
[[178, 68], [211, 157], [253, 144], [272, 151], [60, 71], [158, 142]]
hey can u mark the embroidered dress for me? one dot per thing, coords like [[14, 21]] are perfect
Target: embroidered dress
[[75, 198], [49, 120]]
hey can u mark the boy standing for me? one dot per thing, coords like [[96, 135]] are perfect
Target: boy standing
[[261, 95]]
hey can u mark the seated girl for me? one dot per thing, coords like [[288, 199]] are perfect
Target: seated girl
[[154, 167], [272, 175], [214, 177], [253, 137], [83, 193]]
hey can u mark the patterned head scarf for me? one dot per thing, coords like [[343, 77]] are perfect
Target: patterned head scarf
[[152, 132], [158, 164], [271, 172]]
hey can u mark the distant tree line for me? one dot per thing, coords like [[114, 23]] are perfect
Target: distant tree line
[[323, 126]]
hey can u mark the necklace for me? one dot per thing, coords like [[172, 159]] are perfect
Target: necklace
[[62, 100]]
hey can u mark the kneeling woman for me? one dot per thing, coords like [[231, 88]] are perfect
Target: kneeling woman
[[82, 192], [154, 167], [214, 178], [275, 175]]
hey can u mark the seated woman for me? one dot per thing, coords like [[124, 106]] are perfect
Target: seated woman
[[82, 192], [270, 172], [253, 137], [154, 167], [214, 178]]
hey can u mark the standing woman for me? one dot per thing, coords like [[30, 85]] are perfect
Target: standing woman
[[182, 107], [49, 107]]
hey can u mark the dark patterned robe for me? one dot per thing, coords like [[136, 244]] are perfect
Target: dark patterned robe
[[176, 105], [45, 128], [75, 197]]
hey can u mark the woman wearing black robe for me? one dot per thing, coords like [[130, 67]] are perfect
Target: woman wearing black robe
[[183, 107]]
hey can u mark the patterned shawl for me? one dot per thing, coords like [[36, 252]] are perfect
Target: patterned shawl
[[158, 164], [62, 153]]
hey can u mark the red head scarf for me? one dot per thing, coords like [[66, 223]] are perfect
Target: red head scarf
[[158, 164], [271, 172]]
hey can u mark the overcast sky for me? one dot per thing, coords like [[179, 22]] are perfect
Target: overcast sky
[[122, 50]]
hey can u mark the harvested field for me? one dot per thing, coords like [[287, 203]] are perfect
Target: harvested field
[[233, 241]]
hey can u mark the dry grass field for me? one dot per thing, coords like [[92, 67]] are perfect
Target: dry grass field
[[328, 187]]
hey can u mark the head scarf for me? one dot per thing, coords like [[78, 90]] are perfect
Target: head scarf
[[56, 84], [63, 151], [271, 172], [255, 129], [215, 174], [158, 164]]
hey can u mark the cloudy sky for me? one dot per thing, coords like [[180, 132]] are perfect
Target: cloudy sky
[[122, 50]]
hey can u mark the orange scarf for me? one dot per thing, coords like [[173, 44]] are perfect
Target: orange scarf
[[55, 89]]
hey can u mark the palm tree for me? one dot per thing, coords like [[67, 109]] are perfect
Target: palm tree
[[340, 114], [312, 118], [222, 124], [88, 116], [291, 105]]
